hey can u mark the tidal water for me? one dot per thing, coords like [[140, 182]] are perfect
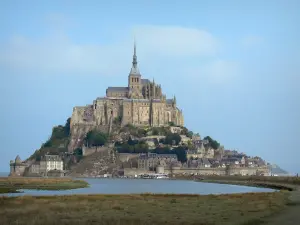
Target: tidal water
[[136, 186]]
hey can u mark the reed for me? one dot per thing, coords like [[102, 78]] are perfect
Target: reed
[[12, 184], [142, 209]]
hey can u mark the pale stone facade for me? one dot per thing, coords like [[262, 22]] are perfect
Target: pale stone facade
[[141, 103], [50, 162], [17, 167]]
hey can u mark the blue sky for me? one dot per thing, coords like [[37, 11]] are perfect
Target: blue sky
[[233, 65]]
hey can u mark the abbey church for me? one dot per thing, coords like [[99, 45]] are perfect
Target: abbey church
[[141, 103]]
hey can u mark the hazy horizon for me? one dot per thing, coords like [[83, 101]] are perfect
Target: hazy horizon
[[233, 65]]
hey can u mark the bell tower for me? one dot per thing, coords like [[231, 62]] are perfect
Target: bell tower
[[134, 78]]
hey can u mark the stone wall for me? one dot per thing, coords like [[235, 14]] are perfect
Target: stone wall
[[135, 171], [125, 157], [202, 171], [90, 150]]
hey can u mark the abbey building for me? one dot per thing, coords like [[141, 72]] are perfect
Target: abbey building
[[141, 103]]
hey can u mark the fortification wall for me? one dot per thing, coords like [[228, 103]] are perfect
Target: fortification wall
[[200, 171], [135, 171], [90, 150], [125, 157], [249, 171]]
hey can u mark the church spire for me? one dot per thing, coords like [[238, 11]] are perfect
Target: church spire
[[134, 61], [134, 68]]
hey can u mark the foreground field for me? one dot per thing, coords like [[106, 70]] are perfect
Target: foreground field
[[142, 209], [12, 184]]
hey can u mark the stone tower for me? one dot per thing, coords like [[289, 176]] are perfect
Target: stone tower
[[134, 78]]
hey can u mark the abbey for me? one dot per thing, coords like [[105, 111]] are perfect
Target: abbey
[[141, 103]]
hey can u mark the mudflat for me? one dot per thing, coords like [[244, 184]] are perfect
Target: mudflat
[[142, 209]]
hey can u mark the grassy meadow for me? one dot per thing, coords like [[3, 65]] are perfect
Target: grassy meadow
[[287, 183], [12, 184], [143, 209]]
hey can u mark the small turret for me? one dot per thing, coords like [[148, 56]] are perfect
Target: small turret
[[153, 91], [18, 159]]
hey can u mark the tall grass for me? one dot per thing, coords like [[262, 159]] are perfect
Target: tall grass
[[11, 184], [143, 209]]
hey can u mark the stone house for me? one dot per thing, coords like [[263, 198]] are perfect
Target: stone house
[[149, 161], [51, 162]]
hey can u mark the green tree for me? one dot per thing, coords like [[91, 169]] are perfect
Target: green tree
[[67, 127], [96, 138], [190, 134], [155, 131], [212, 143], [181, 154], [172, 139]]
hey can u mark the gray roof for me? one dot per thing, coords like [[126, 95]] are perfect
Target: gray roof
[[205, 161], [145, 81], [135, 71], [156, 100], [51, 158], [117, 89], [136, 100], [18, 159], [169, 101]]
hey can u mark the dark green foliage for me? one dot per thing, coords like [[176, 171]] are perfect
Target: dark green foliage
[[68, 127], [134, 131], [155, 132], [78, 151], [213, 143], [190, 134], [133, 148], [58, 132], [78, 154], [132, 142], [96, 138], [181, 154], [160, 131], [59, 136], [47, 144], [117, 120], [184, 131], [163, 150], [171, 124], [172, 139]]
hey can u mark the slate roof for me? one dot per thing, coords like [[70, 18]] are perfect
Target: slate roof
[[169, 101], [117, 89], [135, 71], [52, 158], [145, 81]]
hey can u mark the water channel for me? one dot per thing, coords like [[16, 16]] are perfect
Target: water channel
[[136, 186]]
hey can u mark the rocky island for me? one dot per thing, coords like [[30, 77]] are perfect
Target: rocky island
[[133, 130]]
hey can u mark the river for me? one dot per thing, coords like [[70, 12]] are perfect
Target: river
[[136, 186]]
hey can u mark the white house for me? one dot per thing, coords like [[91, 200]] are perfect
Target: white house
[[51, 162]]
